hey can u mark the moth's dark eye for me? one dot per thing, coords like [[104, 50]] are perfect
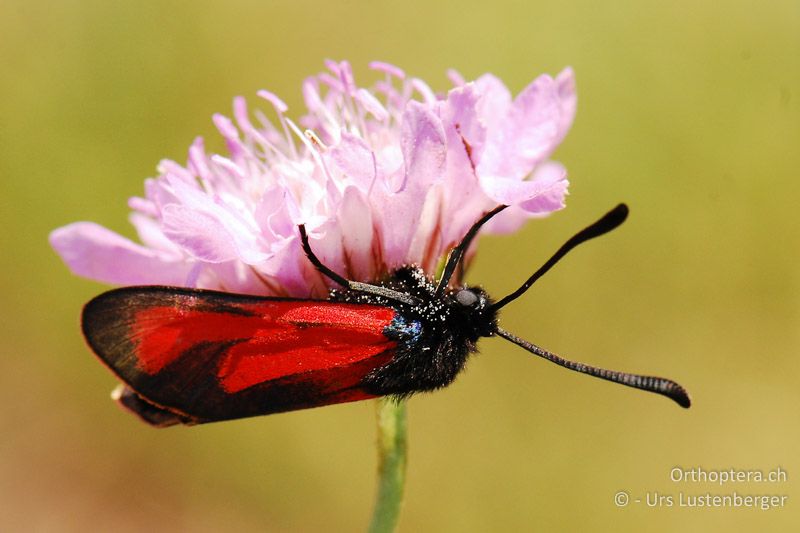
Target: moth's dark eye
[[466, 297]]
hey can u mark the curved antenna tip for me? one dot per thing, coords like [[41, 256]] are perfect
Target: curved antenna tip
[[681, 397], [621, 211]]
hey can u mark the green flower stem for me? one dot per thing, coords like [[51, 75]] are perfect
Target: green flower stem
[[392, 449]]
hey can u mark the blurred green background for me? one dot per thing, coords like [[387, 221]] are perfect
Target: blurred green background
[[688, 111]]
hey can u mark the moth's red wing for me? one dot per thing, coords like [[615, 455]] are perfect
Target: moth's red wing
[[204, 356]]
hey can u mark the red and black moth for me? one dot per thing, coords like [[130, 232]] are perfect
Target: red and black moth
[[193, 356]]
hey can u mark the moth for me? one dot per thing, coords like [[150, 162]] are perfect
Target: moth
[[192, 356]]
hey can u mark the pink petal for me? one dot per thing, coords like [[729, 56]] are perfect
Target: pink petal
[[158, 191], [355, 223], [273, 214], [199, 234], [495, 101], [534, 118], [233, 276], [461, 112], [424, 146], [511, 219], [94, 252], [425, 153], [354, 158], [210, 230], [552, 176], [151, 234], [211, 235], [529, 134], [544, 193], [463, 200], [425, 247], [326, 241], [296, 276], [567, 95]]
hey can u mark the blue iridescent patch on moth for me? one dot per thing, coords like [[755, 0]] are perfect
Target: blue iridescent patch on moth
[[403, 329]]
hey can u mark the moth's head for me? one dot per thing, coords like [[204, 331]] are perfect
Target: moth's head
[[473, 310]]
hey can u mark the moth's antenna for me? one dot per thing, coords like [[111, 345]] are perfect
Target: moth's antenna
[[609, 221], [458, 252], [663, 386], [353, 285]]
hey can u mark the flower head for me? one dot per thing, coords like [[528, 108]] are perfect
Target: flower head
[[381, 177]]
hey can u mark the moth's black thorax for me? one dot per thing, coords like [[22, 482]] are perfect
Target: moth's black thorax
[[434, 337]]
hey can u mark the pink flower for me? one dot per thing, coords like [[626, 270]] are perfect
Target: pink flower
[[382, 177]]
